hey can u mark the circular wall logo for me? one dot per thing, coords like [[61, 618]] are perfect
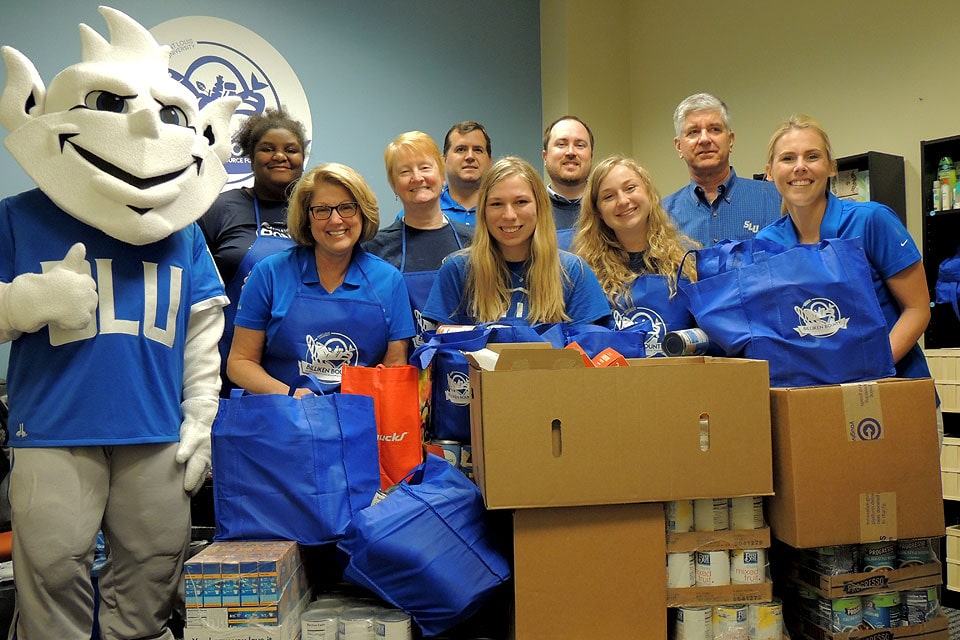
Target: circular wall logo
[[216, 58]]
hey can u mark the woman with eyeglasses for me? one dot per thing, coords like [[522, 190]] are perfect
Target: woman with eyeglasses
[[418, 241], [307, 311], [245, 225]]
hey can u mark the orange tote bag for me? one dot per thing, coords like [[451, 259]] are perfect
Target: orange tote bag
[[396, 403]]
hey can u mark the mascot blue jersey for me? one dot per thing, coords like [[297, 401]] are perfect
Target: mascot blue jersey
[[87, 387]]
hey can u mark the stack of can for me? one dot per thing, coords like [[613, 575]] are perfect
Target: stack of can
[[335, 617], [760, 621]]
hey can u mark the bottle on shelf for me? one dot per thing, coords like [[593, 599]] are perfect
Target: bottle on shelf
[[947, 175], [937, 204]]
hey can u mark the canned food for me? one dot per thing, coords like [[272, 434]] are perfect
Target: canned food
[[713, 568], [392, 624], [746, 512], [914, 551], [748, 566], [846, 613], [452, 451], [765, 621], [685, 342], [711, 514], [679, 516], [920, 605], [694, 623], [730, 622], [878, 555], [681, 570], [882, 610]]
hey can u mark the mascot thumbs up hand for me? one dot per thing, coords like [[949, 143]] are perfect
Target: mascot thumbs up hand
[[65, 295]]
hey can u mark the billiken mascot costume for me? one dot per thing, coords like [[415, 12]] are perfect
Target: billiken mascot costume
[[114, 308]]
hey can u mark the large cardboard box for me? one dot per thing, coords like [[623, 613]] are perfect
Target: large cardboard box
[[590, 572], [547, 432], [855, 463]]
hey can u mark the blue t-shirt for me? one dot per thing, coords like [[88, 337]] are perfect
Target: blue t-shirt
[[741, 209], [583, 298], [889, 249], [121, 382], [274, 282]]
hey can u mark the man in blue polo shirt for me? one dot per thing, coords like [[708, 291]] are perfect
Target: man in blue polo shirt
[[717, 204], [466, 156]]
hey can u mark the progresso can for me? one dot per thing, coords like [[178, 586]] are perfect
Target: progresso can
[[875, 556], [685, 342], [846, 614], [920, 605], [882, 610]]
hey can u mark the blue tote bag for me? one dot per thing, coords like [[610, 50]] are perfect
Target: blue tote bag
[[293, 469], [809, 310], [630, 342], [427, 548], [948, 283]]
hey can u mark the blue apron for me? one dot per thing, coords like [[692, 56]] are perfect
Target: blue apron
[[320, 333], [263, 246], [419, 284], [652, 303]]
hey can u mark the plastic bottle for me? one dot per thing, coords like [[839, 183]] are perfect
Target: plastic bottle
[[947, 174], [937, 205]]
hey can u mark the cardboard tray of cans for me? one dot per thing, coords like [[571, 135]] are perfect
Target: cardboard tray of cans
[[718, 540], [867, 582], [726, 594], [936, 629]]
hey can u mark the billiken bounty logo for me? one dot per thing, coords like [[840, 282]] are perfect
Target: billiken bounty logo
[[327, 353], [820, 318], [458, 388]]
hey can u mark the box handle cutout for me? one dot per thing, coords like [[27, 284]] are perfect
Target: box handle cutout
[[556, 438], [704, 432]]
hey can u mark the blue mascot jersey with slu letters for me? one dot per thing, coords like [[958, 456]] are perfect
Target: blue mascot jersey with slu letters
[[86, 387]]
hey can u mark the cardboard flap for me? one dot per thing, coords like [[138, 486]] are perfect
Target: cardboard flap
[[514, 359]]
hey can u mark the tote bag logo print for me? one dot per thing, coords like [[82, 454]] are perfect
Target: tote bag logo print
[[328, 352], [458, 388], [820, 318]]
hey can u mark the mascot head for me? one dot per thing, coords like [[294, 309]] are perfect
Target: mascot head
[[114, 141]]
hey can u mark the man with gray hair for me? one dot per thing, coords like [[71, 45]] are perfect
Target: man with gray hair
[[716, 205]]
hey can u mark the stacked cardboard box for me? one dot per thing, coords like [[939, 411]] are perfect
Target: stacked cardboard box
[[250, 589], [585, 457], [853, 464]]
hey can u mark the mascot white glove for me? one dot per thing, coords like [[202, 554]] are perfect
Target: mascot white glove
[[201, 394], [63, 296], [194, 450]]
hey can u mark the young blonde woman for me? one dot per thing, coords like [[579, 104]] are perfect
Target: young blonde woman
[[627, 238], [514, 268], [800, 162]]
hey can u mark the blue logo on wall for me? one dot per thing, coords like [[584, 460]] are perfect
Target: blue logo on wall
[[214, 58]]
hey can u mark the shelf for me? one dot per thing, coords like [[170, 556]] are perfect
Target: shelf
[[887, 184], [941, 238]]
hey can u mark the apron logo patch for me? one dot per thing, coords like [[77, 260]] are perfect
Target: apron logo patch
[[327, 353]]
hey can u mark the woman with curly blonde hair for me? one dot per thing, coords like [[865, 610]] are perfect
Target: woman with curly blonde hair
[[627, 238], [514, 268]]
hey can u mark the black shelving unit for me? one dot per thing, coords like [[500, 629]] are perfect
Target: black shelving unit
[[941, 237], [887, 184]]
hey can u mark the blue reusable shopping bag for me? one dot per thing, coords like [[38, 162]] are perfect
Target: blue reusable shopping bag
[[428, 548], [630, 342], [450, 372], [293, 469], [948, 283], [810, 310]]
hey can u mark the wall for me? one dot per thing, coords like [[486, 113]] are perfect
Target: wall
[[867, 69], [370, 69]]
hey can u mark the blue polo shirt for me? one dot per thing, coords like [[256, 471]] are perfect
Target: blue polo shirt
[[741, 209]]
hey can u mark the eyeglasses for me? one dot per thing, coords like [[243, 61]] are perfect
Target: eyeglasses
[[323, 212]]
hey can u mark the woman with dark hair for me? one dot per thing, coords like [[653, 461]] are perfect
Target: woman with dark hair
[[245, 225]]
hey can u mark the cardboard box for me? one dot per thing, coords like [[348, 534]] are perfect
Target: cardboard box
[[288, 629], [717, 540], [868, 582], [547, 432], [726, 594], [936, 629], [589, 572], [855, 463]]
